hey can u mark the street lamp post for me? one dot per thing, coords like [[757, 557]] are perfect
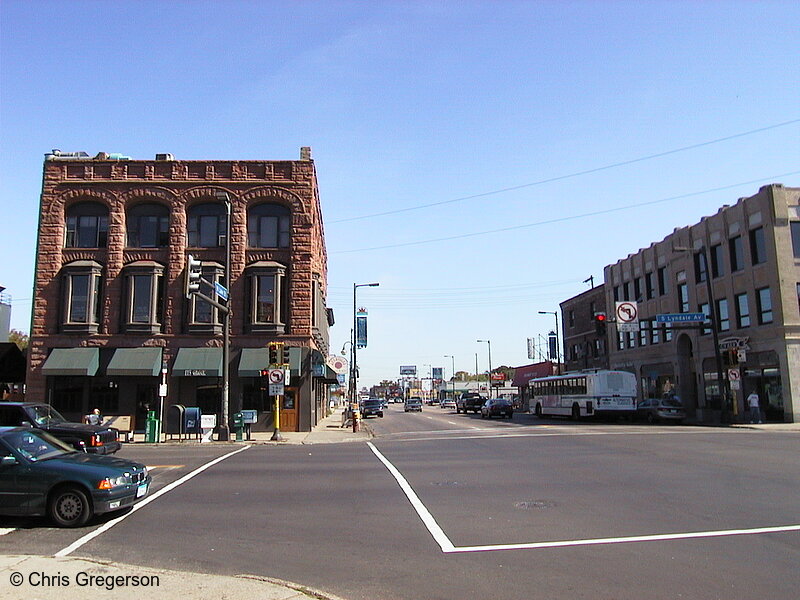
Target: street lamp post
[[558, 344], [489, 342], [354, 376], [453, 373], [224, 430]]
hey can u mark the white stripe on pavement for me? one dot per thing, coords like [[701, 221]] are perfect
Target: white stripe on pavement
[[90, 536], [623, 540], [427, 519], [4, 531], [448, 548]]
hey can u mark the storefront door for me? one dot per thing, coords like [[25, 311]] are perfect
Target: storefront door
[[288, 420]]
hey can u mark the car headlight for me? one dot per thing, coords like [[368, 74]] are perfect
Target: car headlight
[[111, 482]]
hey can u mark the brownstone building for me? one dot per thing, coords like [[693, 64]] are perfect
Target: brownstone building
[[111, 318]]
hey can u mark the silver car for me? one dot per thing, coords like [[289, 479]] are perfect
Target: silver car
[[653, 410]]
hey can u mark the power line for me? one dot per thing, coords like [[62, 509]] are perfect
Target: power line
[[570, 175], [568, 218]]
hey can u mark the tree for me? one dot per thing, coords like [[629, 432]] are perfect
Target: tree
[[19, 338]]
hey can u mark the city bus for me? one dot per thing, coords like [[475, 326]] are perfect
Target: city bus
[[587, 394]]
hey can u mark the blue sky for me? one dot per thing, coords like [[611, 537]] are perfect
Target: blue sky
[[487, 124]]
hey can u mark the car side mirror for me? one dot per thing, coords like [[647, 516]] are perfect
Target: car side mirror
[[7, 461]]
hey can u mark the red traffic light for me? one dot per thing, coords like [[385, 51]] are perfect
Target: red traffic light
[[600, 317]]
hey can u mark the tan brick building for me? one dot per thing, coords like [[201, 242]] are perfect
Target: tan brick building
[[748, 257], [110, 310]]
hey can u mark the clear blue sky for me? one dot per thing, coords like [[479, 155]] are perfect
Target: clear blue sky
[[412, 104]]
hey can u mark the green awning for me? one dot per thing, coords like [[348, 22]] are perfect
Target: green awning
[[330, 376], [135, 362], [198, 362], [72, 361], [252, 361]]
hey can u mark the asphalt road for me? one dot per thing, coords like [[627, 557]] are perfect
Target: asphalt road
[[430, 508]]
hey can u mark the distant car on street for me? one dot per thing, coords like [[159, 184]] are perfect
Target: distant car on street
[[40, 475], [653, 410], [413, 404], [447, 403], [497, 407], [470, 401], [372, 407]]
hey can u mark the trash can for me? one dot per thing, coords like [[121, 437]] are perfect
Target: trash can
[[238, 426], [152, 427]]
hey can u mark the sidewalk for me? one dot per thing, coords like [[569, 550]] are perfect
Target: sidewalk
[[46, 578], [328, 431]]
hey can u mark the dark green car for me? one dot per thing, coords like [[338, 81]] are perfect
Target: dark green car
[[40, 475]]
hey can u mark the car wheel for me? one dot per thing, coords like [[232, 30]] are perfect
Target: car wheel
[[69, 507]]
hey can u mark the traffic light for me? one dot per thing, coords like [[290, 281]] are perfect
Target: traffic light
[[285, 357], [600, 323], [193, 272], [273, 353]]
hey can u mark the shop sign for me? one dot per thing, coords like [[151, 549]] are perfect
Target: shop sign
[[734, 343], [194, 373]]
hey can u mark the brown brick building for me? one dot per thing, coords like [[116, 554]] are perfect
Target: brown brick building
[[110, 310]]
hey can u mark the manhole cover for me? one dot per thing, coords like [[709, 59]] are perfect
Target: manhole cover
[[532, 504]]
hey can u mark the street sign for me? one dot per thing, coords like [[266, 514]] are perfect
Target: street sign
[[681, 317], [734, 378], [276, 389], [221, 290], [276, 376], [627, 312]]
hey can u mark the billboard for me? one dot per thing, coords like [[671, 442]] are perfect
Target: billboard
[[437, 373], [408, 370]]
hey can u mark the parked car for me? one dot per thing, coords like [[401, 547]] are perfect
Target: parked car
[[413, 404], [470, 401], [41, 475], [497, 407], [372, 407], [96, 439], [653, 410]]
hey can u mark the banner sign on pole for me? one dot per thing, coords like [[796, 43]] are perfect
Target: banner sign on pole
[[361, 328]]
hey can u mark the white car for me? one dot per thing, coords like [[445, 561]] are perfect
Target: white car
[[448, 403]]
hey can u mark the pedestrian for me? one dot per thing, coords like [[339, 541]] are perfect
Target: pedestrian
[[93, 418], [755, 409]]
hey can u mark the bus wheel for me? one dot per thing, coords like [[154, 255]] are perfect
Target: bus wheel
[[538, 411], [576, 412]]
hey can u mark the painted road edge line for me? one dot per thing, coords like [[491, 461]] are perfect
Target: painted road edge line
[[424, 514], [624, 540], [166, 489]]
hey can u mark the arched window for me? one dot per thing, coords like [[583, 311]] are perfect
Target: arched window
[[148, 226], [268, 226], [87, 225], [207, 225]]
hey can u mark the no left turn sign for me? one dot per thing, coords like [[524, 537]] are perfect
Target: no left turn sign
[[627, 312], [276, 376]]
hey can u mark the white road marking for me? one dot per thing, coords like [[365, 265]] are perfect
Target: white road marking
[[623, 540], [427, 519], [4, 530], [90, 536], [449, 548]]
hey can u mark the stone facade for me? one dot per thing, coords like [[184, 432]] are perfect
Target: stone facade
[[119, 184]]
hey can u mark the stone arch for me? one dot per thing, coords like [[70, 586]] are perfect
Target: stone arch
[[64, 200], [294, 202], [151, 194]]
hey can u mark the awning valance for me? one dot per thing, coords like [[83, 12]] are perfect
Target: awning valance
[[135, 362], [72, 361], [198, 362]]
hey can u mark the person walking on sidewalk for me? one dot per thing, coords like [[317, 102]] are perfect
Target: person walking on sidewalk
[[755, 408]]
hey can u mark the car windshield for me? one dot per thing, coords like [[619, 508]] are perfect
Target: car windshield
[[672, 402], [36, 445], [372, 402], [46, 415]]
